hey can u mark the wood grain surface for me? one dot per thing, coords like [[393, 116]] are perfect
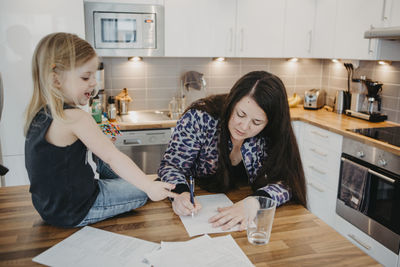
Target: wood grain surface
[[339, 123], [298, 237]]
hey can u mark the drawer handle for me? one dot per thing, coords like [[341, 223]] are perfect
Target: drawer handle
[[318, 152], [316, 187], [366, 246], [315, 169], [319, 134], [132, 142]]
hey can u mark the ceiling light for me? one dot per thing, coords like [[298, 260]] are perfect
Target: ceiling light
[[384, 62], [335, 60], [219, 59], [135, 59], [293, 59]]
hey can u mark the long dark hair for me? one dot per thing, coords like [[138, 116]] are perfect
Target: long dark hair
[[283, 162]]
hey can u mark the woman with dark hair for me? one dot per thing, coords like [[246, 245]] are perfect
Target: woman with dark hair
[[227, 140]]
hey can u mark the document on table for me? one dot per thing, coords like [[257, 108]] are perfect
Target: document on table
[[202, 251], [199, 224], [94, 247]]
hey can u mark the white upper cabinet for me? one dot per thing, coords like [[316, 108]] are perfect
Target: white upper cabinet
[[352, 20], [323, 44], [299, 28], [228, 28], [199, 28], [260, 28], [391, 14]]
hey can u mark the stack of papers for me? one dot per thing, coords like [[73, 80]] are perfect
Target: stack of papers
[[199, 224], [94, 247], [201, 251]]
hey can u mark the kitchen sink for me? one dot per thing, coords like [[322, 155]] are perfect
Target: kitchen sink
[[145, 116]]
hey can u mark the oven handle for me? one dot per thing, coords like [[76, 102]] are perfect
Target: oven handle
[[390, 180], [387, 179]]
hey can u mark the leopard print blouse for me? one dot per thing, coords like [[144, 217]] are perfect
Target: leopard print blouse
[[193, 150]]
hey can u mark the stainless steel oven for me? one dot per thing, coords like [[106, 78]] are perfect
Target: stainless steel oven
[[369, 192], [145, 147]]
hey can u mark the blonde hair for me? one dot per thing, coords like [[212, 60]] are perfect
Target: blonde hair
[[55, 53]]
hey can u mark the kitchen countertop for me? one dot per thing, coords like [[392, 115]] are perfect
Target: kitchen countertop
[[298, 237], [331, 121], [338, 123]]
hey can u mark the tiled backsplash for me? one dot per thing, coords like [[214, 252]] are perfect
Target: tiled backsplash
[[154, 81], [334, 77]]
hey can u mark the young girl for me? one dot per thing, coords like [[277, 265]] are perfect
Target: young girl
[[60, 139]]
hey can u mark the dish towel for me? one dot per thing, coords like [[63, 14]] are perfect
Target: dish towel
[[193, 79], [353, 184]]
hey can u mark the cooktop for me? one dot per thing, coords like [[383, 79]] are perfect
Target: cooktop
[[389, 135]]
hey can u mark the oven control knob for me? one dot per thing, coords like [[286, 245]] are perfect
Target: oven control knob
[[382, 162], [360, 154]]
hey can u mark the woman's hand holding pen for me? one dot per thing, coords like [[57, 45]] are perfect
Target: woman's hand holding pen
[[160, 190], [182, 205]]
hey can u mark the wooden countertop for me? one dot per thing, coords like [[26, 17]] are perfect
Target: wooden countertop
[[148, 125], [331, 121], [298, 237], [338, 123]]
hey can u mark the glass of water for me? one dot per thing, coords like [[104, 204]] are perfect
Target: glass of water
[[261, 212]]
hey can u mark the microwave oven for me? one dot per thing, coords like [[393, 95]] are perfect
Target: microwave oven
[[125, 30]]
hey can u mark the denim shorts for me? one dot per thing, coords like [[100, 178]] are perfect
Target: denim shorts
[[116, 196]]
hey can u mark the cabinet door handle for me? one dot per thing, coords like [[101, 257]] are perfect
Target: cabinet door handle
[[384, 11], [320, 134], [318, 152], [309, 41], [132, 142], [366, 246], [315, 169], [316, 187], [231, 39], [370, 51], [241, 39]]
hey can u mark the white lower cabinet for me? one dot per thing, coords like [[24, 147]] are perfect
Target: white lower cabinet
[[321, 200], [366, 243], [320, 153]]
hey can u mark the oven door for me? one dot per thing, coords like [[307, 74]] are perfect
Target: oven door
[[384, 200], [378, 214]]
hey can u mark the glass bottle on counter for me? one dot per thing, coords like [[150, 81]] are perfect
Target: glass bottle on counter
[[112, 110], [96, 109]]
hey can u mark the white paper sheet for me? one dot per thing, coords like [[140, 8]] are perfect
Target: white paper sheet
[[94, 247], [201, 251], [199, 224]]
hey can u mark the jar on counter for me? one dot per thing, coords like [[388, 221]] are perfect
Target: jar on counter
[[112, 110]]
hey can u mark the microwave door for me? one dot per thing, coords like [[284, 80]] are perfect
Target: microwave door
[[118, 30]]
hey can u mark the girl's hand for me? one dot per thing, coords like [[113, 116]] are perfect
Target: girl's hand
[[239, 213], [182, 205], [160, 190]]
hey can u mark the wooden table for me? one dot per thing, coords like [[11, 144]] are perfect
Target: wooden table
[[298, 237]]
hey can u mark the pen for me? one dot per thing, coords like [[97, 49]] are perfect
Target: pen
[[191, 187]]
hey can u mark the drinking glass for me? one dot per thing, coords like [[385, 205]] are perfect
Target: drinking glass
[[261, 212]]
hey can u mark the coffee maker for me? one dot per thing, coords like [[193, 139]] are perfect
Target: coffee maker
[[370, 106]]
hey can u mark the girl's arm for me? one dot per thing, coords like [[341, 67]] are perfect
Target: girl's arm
[[85, 128]]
